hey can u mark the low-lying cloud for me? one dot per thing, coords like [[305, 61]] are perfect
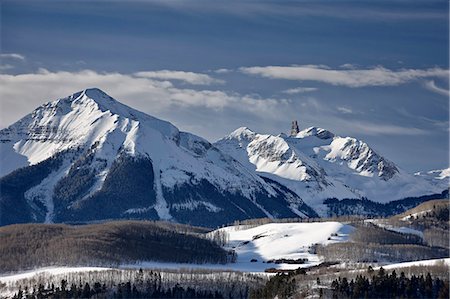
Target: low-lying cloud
[[299, 90], [209, 113], [188, 77], [378, 76], [12, 56]]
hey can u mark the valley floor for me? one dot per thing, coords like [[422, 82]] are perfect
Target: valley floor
[[306, 250], [10, 284]]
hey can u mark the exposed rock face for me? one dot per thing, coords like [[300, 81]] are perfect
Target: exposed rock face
[[294, 128]]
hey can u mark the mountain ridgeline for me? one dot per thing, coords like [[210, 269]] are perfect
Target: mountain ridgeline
[[88, 158]]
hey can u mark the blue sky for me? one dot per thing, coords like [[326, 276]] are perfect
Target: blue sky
[[375, 71]]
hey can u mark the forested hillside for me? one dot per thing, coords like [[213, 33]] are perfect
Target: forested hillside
[[370, 243], [27, 246], [371, 284], [369, 208]]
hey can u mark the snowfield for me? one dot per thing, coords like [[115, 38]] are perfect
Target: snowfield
[[282, 240]]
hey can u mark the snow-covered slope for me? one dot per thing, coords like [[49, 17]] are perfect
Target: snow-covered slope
[[275, 241], [131, 165], [439, 177], [433, 262], [317, 164]]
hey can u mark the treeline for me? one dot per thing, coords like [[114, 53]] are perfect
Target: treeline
[[28, 246], [383, 285], [249, 223], [139, 284]]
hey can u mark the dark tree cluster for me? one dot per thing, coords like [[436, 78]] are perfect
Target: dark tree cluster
[[356, 206], [14, 207], [97, 290], [383, 285], [433, 214], [282, 285], [75, 184], [122, 290], [128, 177]]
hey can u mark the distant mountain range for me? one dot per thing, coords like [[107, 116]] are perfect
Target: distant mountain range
[[317, 164], [88, 157]]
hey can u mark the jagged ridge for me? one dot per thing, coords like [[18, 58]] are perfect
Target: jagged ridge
[[317, 165]]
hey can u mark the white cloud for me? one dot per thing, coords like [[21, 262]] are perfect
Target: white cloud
[[189, 77], [300, 90], [209, 113], [349, 66], [22, 93], [378, 76], [222, 71], [431, 85], [12, 56], [345, 110]]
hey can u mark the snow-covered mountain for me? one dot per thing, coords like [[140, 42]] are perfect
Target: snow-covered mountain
[[88, 157], [317, 165], [436, 176]]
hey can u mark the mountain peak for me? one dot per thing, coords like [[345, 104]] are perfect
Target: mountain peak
[[102, 99], [96, 94], [315, 131], [96, 98], [87, 117], [240, 133]]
